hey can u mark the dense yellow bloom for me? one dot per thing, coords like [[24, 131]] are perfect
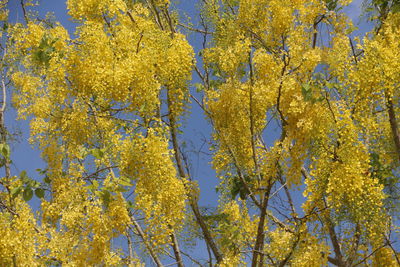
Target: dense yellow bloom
[[18, 234], [95, 9], [384, 257], [236, 229], [267, 61], [120, 60], [159, 193], [295, 106], [310, 251]]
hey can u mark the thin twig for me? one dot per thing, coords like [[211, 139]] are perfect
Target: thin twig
[[194, 29]]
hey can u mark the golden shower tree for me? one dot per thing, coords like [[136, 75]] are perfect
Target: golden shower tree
[[106, 106]]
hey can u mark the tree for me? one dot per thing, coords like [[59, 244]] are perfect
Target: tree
[[106, 106]]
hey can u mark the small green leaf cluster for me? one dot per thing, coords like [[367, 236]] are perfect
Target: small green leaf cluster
[[44, 52], [28, 188]]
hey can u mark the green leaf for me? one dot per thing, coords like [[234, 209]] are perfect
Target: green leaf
[[235, 187], [47, 179], [396, 7], [329, 85], [106, 196], [130, 204], [243, 193], [331, 4], [217, 217], [39, 192], [369, 9], [234, 192], [215, 83], [5, 150], [97, 153], [217, 73], [124, 182], [142, 107], [306, 91], [44, 52], [15, 191], [121, 189], [239, 188], [52, 262], [95, 184], [199, 87], [24, 177], [83, 152], [28, 194]]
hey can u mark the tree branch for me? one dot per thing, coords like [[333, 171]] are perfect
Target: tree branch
[[393, 124], [177, 252], [192, 200], [146, 243]]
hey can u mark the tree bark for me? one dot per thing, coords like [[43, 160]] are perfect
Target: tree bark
[[393, 125]]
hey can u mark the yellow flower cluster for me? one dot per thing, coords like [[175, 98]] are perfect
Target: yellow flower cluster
[[160, 194], [309, 250], [94, 9], [85, 226], [236, 230], [88, 98], [229, 108], [384, 257], [3, 10], [343, 174], [18, 234], [265, 57], [238, 103]]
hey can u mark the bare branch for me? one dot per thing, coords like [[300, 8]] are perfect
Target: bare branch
[[194, 29], [192, 200], [177, 251], [22, 2], [393, 124], [146, 243]]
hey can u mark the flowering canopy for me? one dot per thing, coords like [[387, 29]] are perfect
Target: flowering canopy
[[105, 108]]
